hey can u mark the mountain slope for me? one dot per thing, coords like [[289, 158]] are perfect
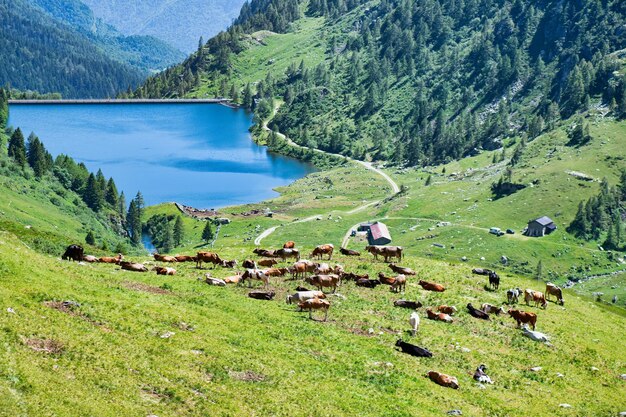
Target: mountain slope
[[416, 82], [145, 53], [179, 23], [39, 53]]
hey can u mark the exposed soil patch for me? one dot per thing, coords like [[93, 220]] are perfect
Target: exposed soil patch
[[138, 286], [50, 346], [249, 376], [72, 308]]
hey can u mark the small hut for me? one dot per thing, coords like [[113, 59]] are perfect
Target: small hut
[[378, 234], [540, 227]]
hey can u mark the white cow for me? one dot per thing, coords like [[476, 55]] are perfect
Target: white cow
[[414, 321]]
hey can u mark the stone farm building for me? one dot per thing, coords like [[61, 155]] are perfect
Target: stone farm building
[[540, 227], [377, 233]]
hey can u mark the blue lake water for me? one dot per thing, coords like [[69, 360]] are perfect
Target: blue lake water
[[195, 154]]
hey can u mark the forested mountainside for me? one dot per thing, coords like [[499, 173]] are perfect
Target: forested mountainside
[[39, 53], [179, 23], [145, 53], [415, 82]]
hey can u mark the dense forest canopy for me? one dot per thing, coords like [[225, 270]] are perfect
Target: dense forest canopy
[[420, 82]]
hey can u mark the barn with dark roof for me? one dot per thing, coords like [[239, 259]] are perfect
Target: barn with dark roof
[[540, 227]]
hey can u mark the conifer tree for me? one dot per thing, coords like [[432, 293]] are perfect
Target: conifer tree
[[179, 231], [207, 232], [111, 195], [247, 100], [92, 196], [133, 219], [90, 239], [37, 156], [140, 203], [168, 239], [17, 150]]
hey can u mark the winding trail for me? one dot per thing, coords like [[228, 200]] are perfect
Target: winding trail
[[368, 165]]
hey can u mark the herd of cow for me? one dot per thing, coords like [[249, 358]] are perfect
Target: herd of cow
[[322, 276]]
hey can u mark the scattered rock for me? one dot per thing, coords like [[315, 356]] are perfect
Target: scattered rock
[[10, 310], [167, 335], [465, 350], [565, 405], [370, 331], [504, 260], [559, 375], [455, 413], [622, 414], [536, 369], [464, 259], [482, 258], [594, 369], [623, 376]]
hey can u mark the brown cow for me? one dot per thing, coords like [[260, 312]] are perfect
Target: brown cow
[[233, 279], [208, 257], [266, 263], [164, 258], [523, 317], [386, 251], [275, 272], [321, 281], [552, 289], [322, 250], [450, 310], [263, 252], [186, 258], [315, 304], [289, 245], [110, 260], [135, 267], [322, 269], [399, 284], [349, 252], [385, 279], [438, 316], [374, 250], [228, 264], [90, 258], [301, 268], [161, 270], [249, 264], [443, 379], [401, 270], [536, 297], [351, 276], [431, 286]]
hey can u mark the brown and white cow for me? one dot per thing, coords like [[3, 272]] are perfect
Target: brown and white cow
[[266, 263], [132, 266], [443, 379], [450, 310], [111, 260], [315, 304], [161, 270], [164, 258], [552, 289], [208, 257], [491, 309], [255, 274], [431, 286], [287, 253], [523, 317], [438, 316], [289, 245], [324, 281]]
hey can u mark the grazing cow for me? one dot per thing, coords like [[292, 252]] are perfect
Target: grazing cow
[[407, 304], [450, 310], [401, 270], [268, 263], [164, 258], [249, 264], [263, 252], [289, 245], [552, 289], [161, 270], [481, 376], [186, 258], [301, 268], [481, 271], [262, 295], [228, 264], [540, 299], [322, 250], [414, 321], [349, 252], [321, 281], [368, 283], [431, 286], [479, 314], [443, 380], [536, 336], [275, 272], [494, 280], [399, 284], [73, 252], [374, 250], [512, 295], [322, 269], [287, 253], [301, 296], [208, 257], [131, 266], [438, 316], [214, 281], [413, 350], [90, 258], [491, 309], [111, 260], [523, 317], [233, 279], [254, 274], [315, 304], [385, 251], [351, 276]]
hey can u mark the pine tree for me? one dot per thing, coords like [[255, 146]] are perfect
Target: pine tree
[[92, 196], [17, 150], [622, 186], [90, 239], [4, 109], [121, 207], [134, 223], [207, 233], [611, 241], [139, 203], [179, 231], [247, 100], [111, 195], [168, 240], [37, 156], [429, 180], [539, 270]]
